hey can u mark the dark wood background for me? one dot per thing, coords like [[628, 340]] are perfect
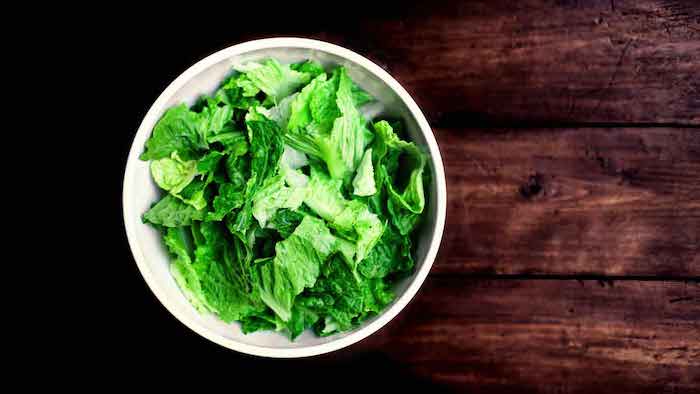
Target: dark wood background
[[569, 134]]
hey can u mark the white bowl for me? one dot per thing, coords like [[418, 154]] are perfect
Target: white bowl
[[140, 191]]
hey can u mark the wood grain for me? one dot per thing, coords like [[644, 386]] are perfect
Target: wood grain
[[484, 336], [572, 201], [478, 336], [542, 61]]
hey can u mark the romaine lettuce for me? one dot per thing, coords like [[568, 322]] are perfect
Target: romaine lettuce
[[283, 207]]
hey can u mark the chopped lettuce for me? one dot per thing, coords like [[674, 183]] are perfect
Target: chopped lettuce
[[177, 131], [171, 212], [172, 173], [295, 266], [275, 195], [363, 184], [404, 206], [325, 123], [276, 80], [283, 208]]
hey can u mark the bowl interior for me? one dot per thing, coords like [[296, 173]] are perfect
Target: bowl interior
[[141, 191]]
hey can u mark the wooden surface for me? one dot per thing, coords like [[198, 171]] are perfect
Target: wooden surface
[[569, 134], [602, 201], [550, 336], [543, 61]]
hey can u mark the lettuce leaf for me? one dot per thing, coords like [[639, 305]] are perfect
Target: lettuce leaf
[[325, 197], [221, 287], [195, 193], [363, 184], [352, 298], [404, 206], [172, 174], [392, 254], [176, 131], [351, 218], [349, 133], [266, 148], [171, 212], [295, 266], [229, 198], [308, 66], [285, 221], [238, 92], [274, 195], [209, 162], [178, 243], [284, 209], [326, 124], [234, 142], [276, 80], [214, 119]]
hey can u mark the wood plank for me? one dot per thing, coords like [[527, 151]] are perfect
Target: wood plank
[[541, 60], [572, 201], [547, 336], [463, 335]]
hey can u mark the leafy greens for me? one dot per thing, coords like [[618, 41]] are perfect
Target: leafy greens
[[284, 208]]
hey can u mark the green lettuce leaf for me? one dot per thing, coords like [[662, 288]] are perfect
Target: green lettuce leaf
[[281, 112], [195, 194], [265, 320], [176, 131], [171, 212], [276, 80], [220, 285], [300, 111], [303, 316], [391, 254], [295, 266], [309, 67], [237, 170], [324, 196], [404, 206], [369, 229], [359, 96], [274, 195], [351, 218], [247, 86], [178, 177], [303, 219], [347, 250], [290, 163], [363, 184], [266, 148], [323, 106], [209, 162], [230, 197], [352, 299], [173, 174], [234, 142], [213, 120], [274, 287], [325, 123], [349, 132], [237, 91], [178, 243], [285, 221]]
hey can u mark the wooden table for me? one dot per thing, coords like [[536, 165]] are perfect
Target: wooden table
[[569, 134]]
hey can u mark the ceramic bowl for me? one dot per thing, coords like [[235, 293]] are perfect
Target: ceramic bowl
[[140, 192]]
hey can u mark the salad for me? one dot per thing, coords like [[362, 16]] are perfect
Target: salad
[[283, 207]]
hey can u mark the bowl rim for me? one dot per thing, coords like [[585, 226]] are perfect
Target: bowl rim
[[388, 314]]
